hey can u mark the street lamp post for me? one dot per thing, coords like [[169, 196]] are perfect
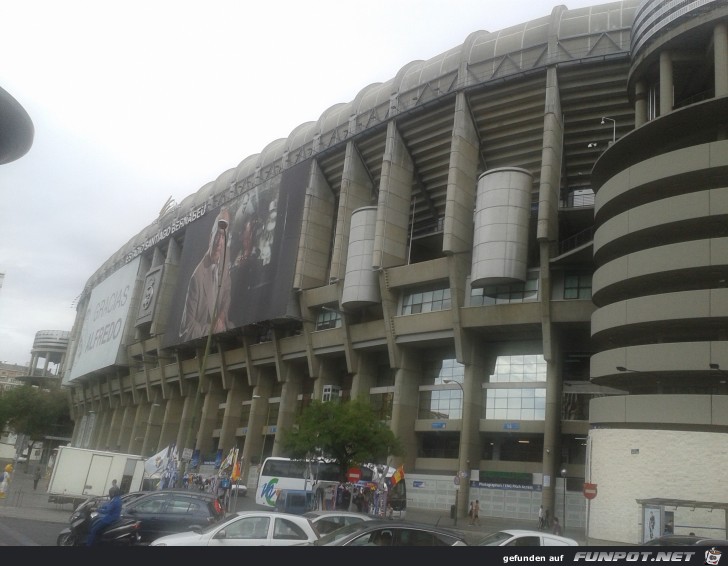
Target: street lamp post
[[222, 224], [459, 479], [564, 473]]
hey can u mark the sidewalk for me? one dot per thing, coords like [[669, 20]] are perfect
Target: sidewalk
[[24, 502]]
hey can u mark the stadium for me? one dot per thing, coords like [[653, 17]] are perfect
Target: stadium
[[516, 251]]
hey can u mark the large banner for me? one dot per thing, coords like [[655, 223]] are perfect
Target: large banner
[[105, 322], [252, 278]]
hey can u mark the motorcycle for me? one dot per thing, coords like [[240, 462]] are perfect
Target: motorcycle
[[124, 532]]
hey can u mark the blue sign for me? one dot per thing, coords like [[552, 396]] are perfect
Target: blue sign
[[511, 426], [418, 483], [439, 425]]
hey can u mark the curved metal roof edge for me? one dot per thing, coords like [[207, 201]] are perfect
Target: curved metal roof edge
[[557, 12]]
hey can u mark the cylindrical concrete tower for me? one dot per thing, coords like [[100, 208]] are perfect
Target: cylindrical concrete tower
[[502, 211], [361, 284]]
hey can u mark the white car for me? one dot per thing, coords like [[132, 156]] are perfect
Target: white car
[[327, 521], [521, 537], [248, 528]]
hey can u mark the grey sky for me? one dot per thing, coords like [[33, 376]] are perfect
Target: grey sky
[[134, 102]]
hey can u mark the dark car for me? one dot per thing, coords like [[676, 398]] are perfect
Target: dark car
[[684, 540], [385, 532], [166, 512]]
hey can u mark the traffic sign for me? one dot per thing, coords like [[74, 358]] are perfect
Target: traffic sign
[[353, 475], [590, 490]]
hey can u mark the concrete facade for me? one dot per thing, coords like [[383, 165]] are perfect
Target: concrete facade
[[502, 384]]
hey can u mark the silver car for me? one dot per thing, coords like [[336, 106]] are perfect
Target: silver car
[[328, 521], [248, 528], [522, 537]]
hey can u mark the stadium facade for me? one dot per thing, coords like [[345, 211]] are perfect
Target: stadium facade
[[515, 251]]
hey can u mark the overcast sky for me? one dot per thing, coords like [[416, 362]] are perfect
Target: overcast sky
[[134, 102]]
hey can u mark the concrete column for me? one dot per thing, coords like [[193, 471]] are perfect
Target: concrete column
[[255, 442], [231, 419], [640, 104], [720, 50], [477, 366], [314, 245], [666, 83], [139, 429], [205, 442], [124, 439], [112, 437], [357, 190], [153, 429], [365, 376], [551, 158], [171, 420], [395, 202], [186, 420], [462, 181], [405, 402], [288, 406]]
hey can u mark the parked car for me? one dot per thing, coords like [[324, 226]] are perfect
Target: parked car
[[685, 540], [165, 512], [328, 521], [248, 528], [521, 537], [385, 532]]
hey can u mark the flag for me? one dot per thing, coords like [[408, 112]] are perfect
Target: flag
[[236, 468], [398, 476], [228, 461]]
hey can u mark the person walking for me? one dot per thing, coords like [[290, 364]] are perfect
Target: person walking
[[540, 517], [557, 527], [476, 513], [36, 477], [547, 519]]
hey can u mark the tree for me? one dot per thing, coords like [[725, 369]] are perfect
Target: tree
[[36, 412], [346, 432]]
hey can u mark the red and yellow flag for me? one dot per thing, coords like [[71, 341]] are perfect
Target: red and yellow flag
[[235, 476], [398, 476]]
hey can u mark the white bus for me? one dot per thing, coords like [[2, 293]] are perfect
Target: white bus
[[317, 478]]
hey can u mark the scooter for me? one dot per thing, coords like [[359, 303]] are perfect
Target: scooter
[[124, 532]]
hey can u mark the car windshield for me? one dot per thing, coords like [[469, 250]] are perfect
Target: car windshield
[[494, 539], [339, 533], [211, 526]]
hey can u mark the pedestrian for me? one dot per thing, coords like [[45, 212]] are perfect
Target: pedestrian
[[557, 526], [547, 519], [470, 513], [36, 477], [5, 480], [476, 513], [540, 517]]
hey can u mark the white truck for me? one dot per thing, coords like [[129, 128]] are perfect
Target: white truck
[[80, 473]]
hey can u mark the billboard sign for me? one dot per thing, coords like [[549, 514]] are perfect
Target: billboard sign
[[104, 324], [242, 257]]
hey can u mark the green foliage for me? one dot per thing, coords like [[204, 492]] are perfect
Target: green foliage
[[346, 432], [36, 412]]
